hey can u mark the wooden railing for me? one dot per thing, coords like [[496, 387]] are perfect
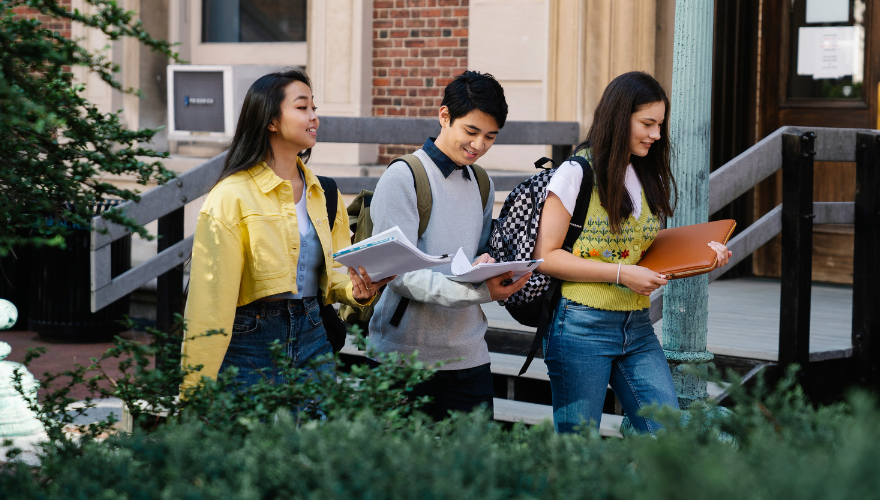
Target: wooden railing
[[793, 149], [166, 203]]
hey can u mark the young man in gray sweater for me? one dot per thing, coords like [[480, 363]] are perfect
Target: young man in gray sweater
[[443, 320]]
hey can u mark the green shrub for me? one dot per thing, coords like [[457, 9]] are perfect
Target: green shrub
[[56, 145], [367, 443], [149, 393], [822, 454]]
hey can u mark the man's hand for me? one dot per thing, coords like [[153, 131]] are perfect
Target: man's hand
[[500, 287]]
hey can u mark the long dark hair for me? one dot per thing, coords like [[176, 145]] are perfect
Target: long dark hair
[[609, 137], [262, 104]]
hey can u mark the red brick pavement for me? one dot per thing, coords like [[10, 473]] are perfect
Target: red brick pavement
[[61, 357]]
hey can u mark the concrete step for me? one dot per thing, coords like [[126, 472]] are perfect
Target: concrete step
[[532, 414]]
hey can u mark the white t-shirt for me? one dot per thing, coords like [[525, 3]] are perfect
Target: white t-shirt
[[302, 213], [566, 183]]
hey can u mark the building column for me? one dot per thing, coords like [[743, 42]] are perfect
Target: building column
[[685, 302], [340, 47]]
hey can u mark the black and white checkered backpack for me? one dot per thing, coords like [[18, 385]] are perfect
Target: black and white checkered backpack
[[513, 237]]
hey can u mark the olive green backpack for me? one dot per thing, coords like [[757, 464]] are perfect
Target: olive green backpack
[[362, 226]]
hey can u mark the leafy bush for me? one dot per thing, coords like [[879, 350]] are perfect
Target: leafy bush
[[787, 449], [55, 144], [149, 393], [361, 439]]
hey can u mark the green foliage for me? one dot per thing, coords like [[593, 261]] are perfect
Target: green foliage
[[55, 144], [360, 438], [149, 393], [785, 449]]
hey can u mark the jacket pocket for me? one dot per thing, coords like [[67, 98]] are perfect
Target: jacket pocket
[[267, 252]]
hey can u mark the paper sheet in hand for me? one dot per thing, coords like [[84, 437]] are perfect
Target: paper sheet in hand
[[386, 254], [463, 271]]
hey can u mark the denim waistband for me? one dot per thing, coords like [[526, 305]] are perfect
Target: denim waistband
[[274, 307]]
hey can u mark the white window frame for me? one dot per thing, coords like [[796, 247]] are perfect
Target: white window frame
[[270, 53]]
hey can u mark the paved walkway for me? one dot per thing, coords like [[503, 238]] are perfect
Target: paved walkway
[[744, 319], [61, 357]]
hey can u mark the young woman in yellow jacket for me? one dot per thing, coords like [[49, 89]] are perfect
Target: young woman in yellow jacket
[[262, 260]]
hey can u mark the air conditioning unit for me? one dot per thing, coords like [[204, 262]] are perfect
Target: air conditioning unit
[[204, 101]]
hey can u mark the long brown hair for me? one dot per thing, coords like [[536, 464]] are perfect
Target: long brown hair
[[609, 138], [262, 104]]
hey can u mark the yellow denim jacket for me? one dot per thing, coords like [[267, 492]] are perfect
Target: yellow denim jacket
[[245, 248]]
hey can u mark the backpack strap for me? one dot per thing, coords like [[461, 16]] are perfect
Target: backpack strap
[[333, 326], [482, 182], [575, 228], [424, 200], [331, 196], [581, 206]]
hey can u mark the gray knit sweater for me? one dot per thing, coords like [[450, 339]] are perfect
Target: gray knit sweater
[[444, 321]]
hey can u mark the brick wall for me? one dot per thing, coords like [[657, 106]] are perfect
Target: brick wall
[[418, 45], [61, 27]]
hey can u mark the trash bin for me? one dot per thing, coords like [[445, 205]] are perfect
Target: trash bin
[[60, 296]]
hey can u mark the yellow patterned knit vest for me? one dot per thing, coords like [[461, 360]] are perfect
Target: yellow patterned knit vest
[[596, 242]]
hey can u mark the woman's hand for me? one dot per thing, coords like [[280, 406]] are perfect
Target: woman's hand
[[362, 288], [641, 280], [724, 254], [484, 259]]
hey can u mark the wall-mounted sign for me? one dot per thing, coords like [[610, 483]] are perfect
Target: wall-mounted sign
[[828, 52]]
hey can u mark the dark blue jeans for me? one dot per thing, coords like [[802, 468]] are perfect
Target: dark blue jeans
[[587, 348], [296, 324]]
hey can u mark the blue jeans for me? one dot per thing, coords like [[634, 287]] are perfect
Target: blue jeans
[[295, 323], [586, 348]]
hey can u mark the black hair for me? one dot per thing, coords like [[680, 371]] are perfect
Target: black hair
[[609, 137], [262, 104], [474, 90]]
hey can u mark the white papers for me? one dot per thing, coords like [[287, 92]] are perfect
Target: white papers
[[828, 52], [827, 11], [463, 271], [386, 254]]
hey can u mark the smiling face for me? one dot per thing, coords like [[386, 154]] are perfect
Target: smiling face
[[468, 137], [645, 127], [296, 126]]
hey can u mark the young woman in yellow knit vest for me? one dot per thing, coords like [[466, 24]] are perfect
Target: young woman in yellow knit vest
[[601, 331]]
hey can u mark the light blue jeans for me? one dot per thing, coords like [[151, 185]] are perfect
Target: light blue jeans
[[295, 323], [587, 348]]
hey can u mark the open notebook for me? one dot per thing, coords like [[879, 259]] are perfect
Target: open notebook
[[390, 253], [386, 254]]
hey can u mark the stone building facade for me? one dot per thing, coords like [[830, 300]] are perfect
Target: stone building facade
[[392, 58]]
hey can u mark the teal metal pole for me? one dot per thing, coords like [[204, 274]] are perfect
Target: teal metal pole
[[686, 301]]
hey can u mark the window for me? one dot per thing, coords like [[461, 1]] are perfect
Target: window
[[253, 21], [826, 49]]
